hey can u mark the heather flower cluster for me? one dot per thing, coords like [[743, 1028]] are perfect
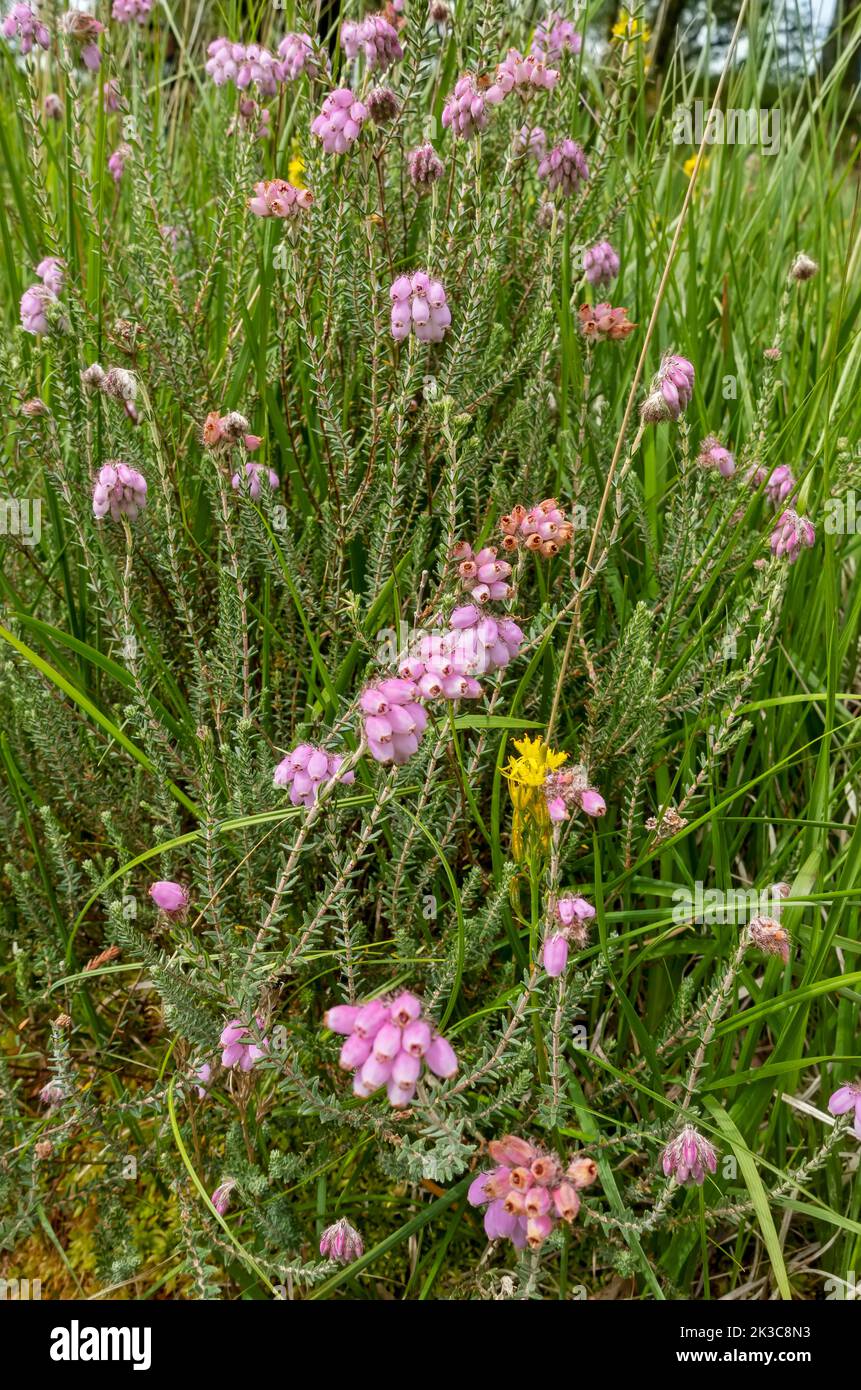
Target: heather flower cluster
[[845, 1101], [600, 264], [375, 38], [83, 30], [227, 431], [465, 111], [243, 64], [168, 896], [569, 791], [256, 477], [277, 198], [529, 1191], [688, 1157], [297, 55], [522, 75], [22, 20], [792, 533], [393, 719], [40, 312], [239, 1048], [306, 770], [120, 491], [388, 1043], [713, 455], [564, 168], [419, 306], [340, 121], [341, 1242], [554, 37], [544, 528], [601, 323], [125, 11], [568, 927], [425, 166], [671, 390]]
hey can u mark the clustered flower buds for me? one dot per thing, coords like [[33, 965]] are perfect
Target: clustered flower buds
[[252, 117], [22, 20], [523, 75], [387, 1042], [394, 721], [40, 303], [341, 1242], [570, 789], [555, 36], [120, 490], [688, 1156], [803, 268], [84, 30], [236, 1051], [220, 1198], [564, 168], [117, 161], [790, 535], [419, 304], [544, 528], [464, 112], [297, 55], [531, 140], [126, 10], [306, 770], [168, 896], [781, 485], [671, 390], [847, 1099], [226, 431], [770, 936], [600, 322], [600, 264], [425, 166], [373, 36], [339, 123], [528, 1191], [243, 64], [383, 105], [53, 1093], [481, 573], [712, 454], [257, 476], [445, 665], [278, 198], [117, 383], [570, 916]]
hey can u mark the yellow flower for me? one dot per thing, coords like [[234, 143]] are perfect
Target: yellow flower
[[295, 170], [628, 27], [690, 164], [526, 775]]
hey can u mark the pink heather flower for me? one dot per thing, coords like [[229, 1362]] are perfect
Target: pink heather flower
[[419, 304], [600, 322], [544, 528], [54, 1093], [383, 105], [53, 107], [713, 455], [341, 1242], [482, 573], [227, 431], [394, 721], [671, 390], [688, 1156], [527, 1193], [84, 30], [220, 1198], [780, 485], [236, 1052], [169, 896], [568, 789], [340, 121], [120, 490], [22, 20], [124, 11], [464, 112], [36, 303], [846, 1099], [243, 64], [252, 117], [306, 769], [791, 533], [564, 168], [555, 955], [425, 166], [111, 95], [52, 272], [256, 475], [600, 264], [446, 664], [531, 140], [117, 161], [523, 75], [375, 37], [277, 198], [554, 37], [204, 1076], [297, 55], [770, 936], [388, 1043]]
